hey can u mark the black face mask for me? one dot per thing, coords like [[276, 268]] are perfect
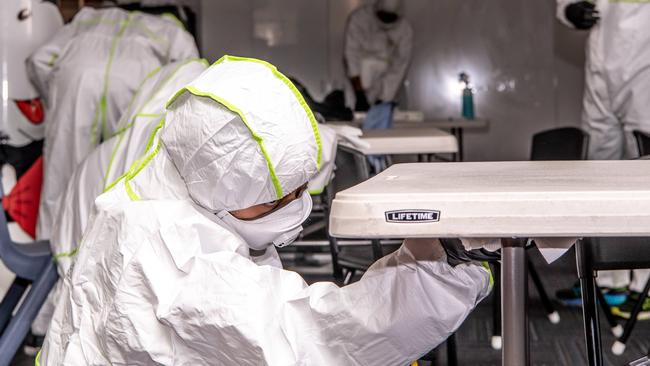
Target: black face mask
[[386, 16]]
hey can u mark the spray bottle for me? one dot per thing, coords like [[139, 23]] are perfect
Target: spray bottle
[[468, 97]]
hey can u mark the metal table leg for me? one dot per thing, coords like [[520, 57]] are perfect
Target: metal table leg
[[458, 132], [589, 303], [496, 341], [514, 311]]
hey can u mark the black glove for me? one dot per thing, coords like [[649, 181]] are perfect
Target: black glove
[[583, 14], [456, 253], [361, 104]]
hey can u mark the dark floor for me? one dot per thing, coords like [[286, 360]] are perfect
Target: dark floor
[[560, 344]]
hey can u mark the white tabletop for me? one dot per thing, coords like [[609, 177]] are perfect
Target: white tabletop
[[499, 199], [406, 141], [435, 123], [446, 123]]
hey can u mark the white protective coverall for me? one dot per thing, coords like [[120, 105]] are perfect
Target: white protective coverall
[[617, 77], [107, 163], [378, 53], [161, 279], [87, 74], [617, 92]]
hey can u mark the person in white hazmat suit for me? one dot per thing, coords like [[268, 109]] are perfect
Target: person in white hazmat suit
[[107, 163], [165, 275], [113, 158], [616, 97], [87, 74], [378, 46]]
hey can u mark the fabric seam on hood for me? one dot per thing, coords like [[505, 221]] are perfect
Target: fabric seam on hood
[[260, 142], [294, 90], [310, 116]]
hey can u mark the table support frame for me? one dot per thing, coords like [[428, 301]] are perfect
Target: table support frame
[[514, 297], [587, 277]]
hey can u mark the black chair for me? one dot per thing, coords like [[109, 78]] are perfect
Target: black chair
[[567, 143], [592, 255], [643, 142], [605, 254]]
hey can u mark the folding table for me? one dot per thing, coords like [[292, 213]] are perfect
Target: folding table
[[422, 140], [507, 200], [454, 125]]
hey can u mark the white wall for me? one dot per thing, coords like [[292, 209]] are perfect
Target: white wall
[[525, 66]]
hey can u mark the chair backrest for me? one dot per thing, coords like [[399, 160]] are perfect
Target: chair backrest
[[567, 143], [351, 168], [643, 142]]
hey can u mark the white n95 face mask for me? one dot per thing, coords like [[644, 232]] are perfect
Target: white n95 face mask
[[279, 228]]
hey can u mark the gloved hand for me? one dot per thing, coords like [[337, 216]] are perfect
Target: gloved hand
[[457, 254], [425, 249], [361, 104], [583, 14]]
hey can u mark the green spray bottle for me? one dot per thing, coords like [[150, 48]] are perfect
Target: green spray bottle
[[467, 98]]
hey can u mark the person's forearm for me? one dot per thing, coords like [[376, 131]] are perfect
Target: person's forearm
[[428, 249]]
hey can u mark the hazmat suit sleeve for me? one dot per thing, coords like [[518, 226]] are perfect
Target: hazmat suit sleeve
[[41, 63], [354, 45], [392, 79], [560, 11], [398, 311]]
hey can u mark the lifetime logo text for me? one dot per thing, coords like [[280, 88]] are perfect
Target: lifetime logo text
[[413, 216]]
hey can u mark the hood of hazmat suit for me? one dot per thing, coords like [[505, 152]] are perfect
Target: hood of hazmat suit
[[617, 77], [160, 279], [108, 162], [87, 74], [376, 52]]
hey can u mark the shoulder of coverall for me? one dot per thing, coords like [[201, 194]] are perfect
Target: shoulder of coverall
[[92, 15], [85, 14]]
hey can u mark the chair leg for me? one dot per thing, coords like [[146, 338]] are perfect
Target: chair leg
[[615, 328], [496, 341], [18, 327], [551, 313], [377, 252], [349, 274], [327, 197], [587, 277], [11, 299], [619, 346], [336, 268], [452, 355]]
